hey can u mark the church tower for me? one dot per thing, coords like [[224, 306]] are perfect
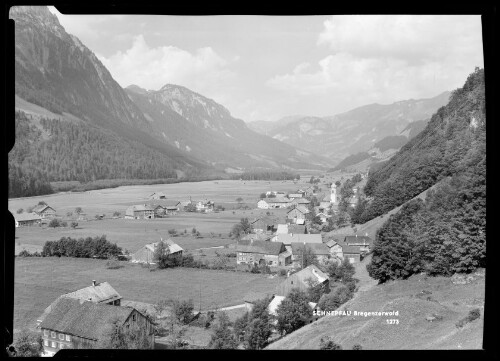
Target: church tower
[[333, 196]]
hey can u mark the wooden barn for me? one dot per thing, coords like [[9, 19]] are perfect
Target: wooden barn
[[27, 219], [140, 211], [297, 213], [262, 253], [44, 211], [146, 254], [78, 324]]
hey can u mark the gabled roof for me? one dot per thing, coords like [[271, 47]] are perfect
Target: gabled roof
[[83, 318], [295, 195], [141, 207], [358, 240], [313, 272], [261, 247], [349, 249], [330, 243], [302, 201], [172, 246], [101, 292], [302, 209], [27, 217], [319, 249], [277, 200], [256, 237], [42, 207], [287, 239], [267, 220]]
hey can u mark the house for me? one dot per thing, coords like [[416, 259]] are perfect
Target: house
[[159, 210], [79, 324], [262, 253], [276, 301], [252, 297], [297, 213], [278, 202], [293, 196], [300, 280], [352, 253], [323, 216], [157, 195], [146, 253], [300, 201], [183, 204], [140, 211], [320, 250], [205, 206], [27, 219], [97, 292], [363, 242], [265, 224], [335, 248], [262, 204], [44, 211]]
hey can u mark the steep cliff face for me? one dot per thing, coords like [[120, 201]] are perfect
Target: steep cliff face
[[55, 70]]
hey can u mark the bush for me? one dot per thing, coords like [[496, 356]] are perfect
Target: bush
[[282, 272], [24, 253], [64, 224], [54, 223], [74, 224], [326, 343], [357, 347], [473, 315]]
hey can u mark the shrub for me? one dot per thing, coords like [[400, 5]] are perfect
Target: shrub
[[54, 223], [24, 253], [326, 343], [74, 224], [116, 214], [474, 314], [64, 224], [20, 210], [282, 272], [357, 347], [172, 232]]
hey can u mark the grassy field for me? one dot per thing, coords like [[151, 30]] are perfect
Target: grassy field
[[450, 301], [39, 281]]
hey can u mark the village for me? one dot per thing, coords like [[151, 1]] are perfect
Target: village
[[280, 243]]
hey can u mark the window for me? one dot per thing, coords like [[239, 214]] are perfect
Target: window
[[133, 317], [68, 338], [46, 342], [61, 336], [61, 345], [45, 332], [53, 344], [53, 334]]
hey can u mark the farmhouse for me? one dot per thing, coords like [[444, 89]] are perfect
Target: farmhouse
[[158, 210], [335, 248], [205, 206], [297, 213], [79, 324], [278, 202], [352, 253], [320, 250], [146, 253], [97, 293], [363, 242], [323, 216], [300, 201], [262, 253], [157, 195], [300, 280], [44, 211], [141, 211], [265, 224], [27, 219]]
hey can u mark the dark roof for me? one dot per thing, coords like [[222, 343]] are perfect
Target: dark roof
[[262, 247], [347, 248], [83, 318], [318, 249], [358, 240], [42, 207], [27, 217]]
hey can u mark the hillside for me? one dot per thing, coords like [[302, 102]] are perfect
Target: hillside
[[416, 299], [356, 130], [452, 143], [186, 120]]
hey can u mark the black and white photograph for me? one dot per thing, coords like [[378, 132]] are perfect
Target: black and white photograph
[[246, 182]]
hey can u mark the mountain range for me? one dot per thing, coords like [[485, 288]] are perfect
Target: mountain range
[[56, 74], [357, 130]]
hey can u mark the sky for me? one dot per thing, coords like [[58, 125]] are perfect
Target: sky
[[269, 67]]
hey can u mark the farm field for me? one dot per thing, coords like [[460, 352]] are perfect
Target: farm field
[[39, 281], [131, 234]]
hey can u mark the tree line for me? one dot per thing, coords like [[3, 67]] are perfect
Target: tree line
[[265, 175], [97, 247]]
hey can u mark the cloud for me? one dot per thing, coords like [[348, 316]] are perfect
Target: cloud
[[203, 71], [387, 58]]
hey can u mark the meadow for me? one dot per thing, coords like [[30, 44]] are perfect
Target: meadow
[[39, 281]]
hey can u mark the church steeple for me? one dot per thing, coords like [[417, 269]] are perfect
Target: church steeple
[[333, 196]]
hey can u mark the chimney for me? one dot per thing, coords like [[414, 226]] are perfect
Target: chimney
[[93, 283]]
